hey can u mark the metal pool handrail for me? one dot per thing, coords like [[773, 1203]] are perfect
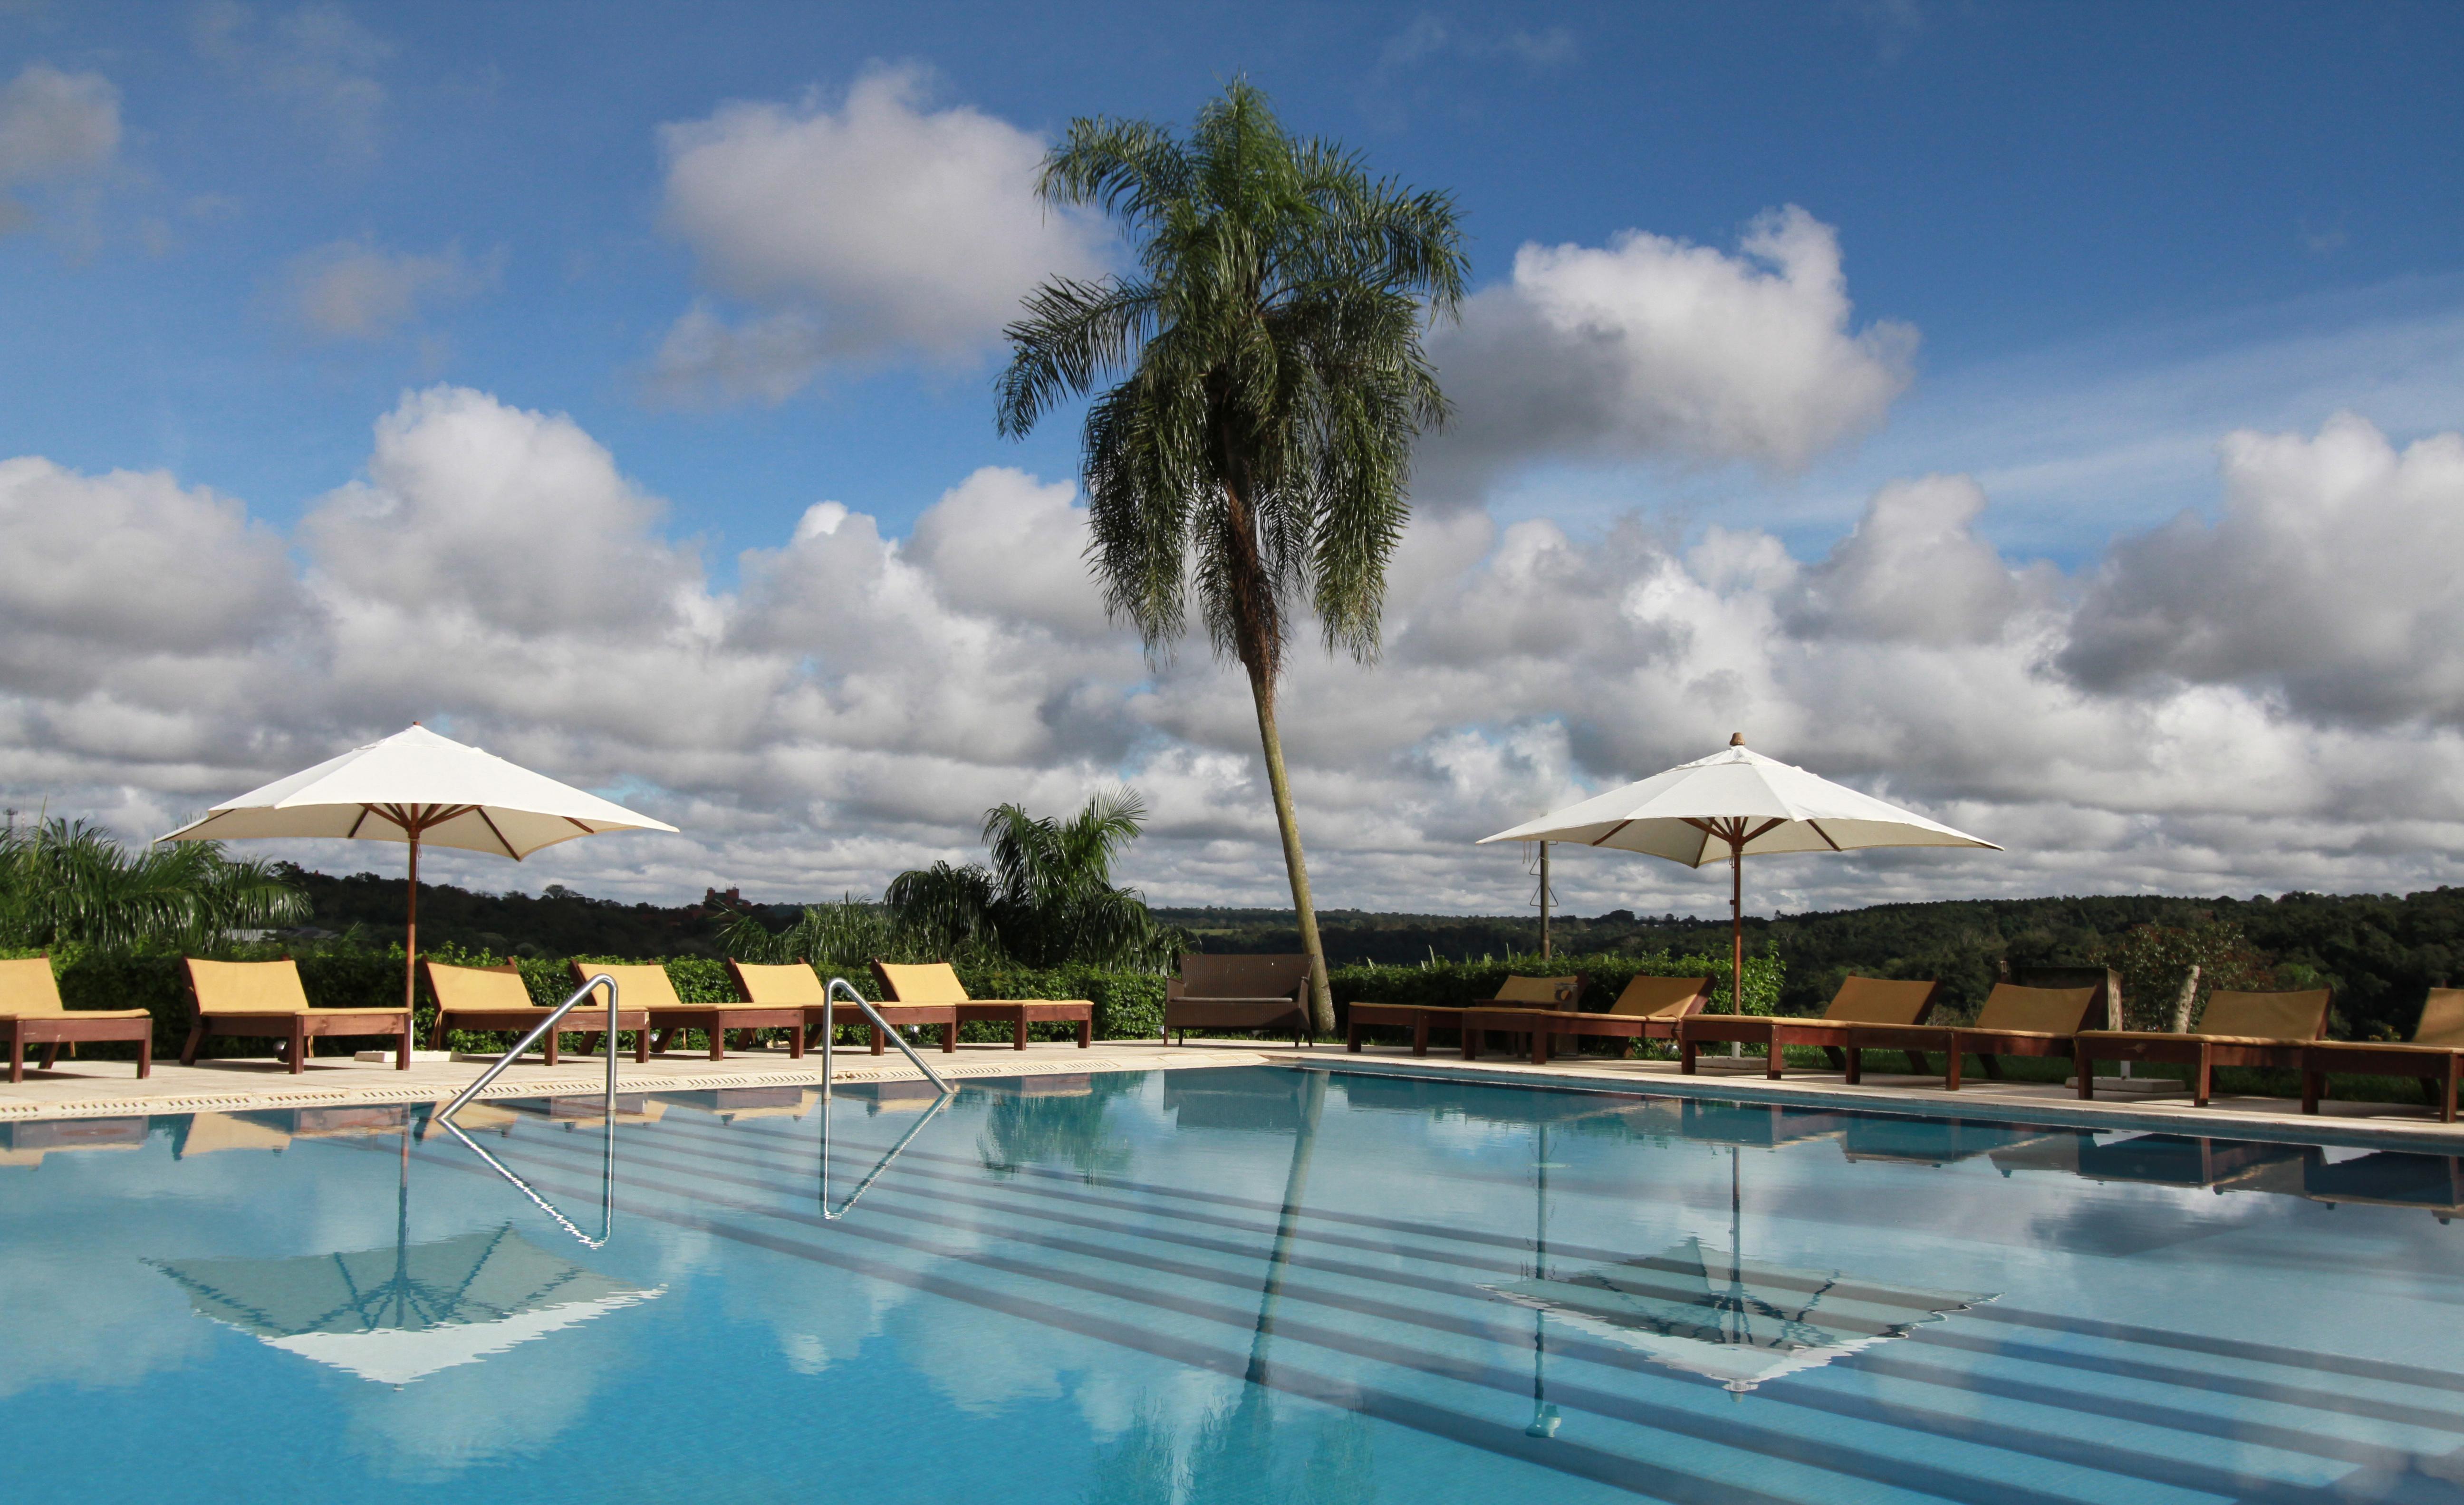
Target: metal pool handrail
[[447, 1113], [607, 1182], [830, 1033], [880, 1165]]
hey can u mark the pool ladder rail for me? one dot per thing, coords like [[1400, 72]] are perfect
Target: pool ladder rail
[[608, 1171]]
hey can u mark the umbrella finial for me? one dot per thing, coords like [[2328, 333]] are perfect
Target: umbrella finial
[[1736, 739]]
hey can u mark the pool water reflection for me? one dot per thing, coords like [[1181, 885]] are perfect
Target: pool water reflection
[[1215, 1284]]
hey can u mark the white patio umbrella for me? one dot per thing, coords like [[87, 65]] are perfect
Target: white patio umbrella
[[418, 787], [1732, 803], [402, 1314]]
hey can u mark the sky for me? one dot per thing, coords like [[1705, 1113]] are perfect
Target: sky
[[2051, 417]]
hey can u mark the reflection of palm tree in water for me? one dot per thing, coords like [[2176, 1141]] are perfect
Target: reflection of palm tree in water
[[1021, 1129], [1233, 1456], [1543, 1416]]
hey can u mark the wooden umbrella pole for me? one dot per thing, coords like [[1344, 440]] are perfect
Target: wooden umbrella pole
[[1544, 898], [1737, 920], [410, 950]]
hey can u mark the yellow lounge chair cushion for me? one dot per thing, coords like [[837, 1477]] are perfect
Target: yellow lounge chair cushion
[[247, 987], [638, 984], [2266, 1016], [922, 983], [1650, 996], [479, 990], [2442, 1018], [792, 986], [1878, 1001], [28, 990], [2035, 1010]]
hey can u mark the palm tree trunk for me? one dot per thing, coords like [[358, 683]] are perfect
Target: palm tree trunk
[[1320, 999]]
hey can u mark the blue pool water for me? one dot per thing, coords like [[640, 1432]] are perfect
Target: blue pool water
[[1212, 1286]]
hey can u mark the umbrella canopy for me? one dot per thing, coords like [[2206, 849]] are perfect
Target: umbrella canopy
[[397, 1315], [1728, 805], [418, 787], [1734, 1320]]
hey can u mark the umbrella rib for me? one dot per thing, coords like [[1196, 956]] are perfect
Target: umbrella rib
[[365, 810], [1824, 834], [498, 834], [1777, 821], [1604, 835]]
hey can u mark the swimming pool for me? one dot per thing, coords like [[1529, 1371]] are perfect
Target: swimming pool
[[1218, 1285]]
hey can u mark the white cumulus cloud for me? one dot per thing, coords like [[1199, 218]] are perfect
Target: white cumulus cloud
[[2328, 577], [1650, 349], [849, 707], [881, 228]]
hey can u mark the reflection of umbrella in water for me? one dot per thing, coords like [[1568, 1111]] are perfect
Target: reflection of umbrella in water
[[398, 1315], [1739, 1322]]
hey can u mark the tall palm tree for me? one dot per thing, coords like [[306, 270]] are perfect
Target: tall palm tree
[[1271, 383]]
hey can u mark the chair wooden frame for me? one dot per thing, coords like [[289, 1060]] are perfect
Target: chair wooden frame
[[31, 1014], [648, 983], [1415, 1017], [1900, 1000], [1016, 1012], [1670, 1000], [2434, 1056], [2256, 1031], [273, 1015], [2004, 1027], [504, 1016]]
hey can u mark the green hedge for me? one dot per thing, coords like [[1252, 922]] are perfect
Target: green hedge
[[1456, 984], [1128, 1006], [1453, 985]]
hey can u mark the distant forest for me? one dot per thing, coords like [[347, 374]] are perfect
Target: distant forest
[[2378, 951]]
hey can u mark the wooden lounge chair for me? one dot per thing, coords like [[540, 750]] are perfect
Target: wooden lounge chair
[[31, 1014], [647, 985], [1239, 992], [2015, 1021], [2435, 1054], [494, 999], [1648, 1009], [937, 983], [2237, 1029], [1519, 994], [1860, 1001], [1415, 1017], [265, 1000], [795, 985]]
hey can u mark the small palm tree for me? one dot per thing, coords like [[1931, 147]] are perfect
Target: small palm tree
[[70, 883], [1048, 896], [841, 938], [1273, 382]]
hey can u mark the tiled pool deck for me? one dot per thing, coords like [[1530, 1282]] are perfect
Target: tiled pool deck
[[107, 1088]]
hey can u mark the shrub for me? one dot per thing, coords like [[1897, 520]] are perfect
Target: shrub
[[1453, 985], [1128, 1005]]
